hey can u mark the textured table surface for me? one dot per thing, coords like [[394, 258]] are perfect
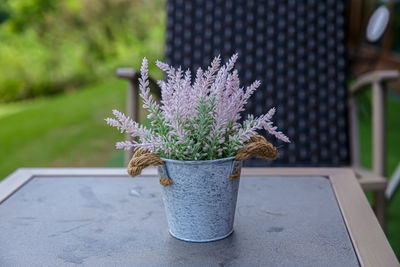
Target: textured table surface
[[116, 221]]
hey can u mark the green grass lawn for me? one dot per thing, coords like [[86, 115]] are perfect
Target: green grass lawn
[[69, 130], [63, 130]]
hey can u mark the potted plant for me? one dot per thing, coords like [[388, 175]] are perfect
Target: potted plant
[[198, 143]]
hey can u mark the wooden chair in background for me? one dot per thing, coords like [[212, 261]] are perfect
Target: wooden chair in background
[[298, 51]]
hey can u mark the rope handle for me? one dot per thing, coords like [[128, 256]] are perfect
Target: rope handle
[[144, 158], [257, 146], [164, 177]]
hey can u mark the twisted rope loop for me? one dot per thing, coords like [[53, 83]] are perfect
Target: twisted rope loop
[[142, 159], [258, 147]]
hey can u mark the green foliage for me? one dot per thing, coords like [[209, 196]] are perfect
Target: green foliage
[[28, 13], [196, 145], [203, 148], [51, 46], [4, 11]]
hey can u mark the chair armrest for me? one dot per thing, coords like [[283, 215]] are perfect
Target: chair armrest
[[373, 77], [127, 73], [370, 180], [377, 79], [133, 76]]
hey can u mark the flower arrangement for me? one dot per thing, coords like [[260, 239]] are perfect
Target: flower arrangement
[[195, 121]]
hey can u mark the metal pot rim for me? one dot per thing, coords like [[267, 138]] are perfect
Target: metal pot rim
[[198, 162]]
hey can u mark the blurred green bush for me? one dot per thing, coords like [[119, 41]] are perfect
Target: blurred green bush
[[51, 46]]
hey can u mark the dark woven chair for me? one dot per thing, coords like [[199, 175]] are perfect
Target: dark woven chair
[[297, 50]]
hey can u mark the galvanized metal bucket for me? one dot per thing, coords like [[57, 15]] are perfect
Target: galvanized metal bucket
[[201, 201]]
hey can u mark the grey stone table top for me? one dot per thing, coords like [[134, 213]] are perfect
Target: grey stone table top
[[120, 221]]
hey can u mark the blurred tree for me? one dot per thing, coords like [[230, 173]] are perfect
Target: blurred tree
[[4, 11], [76, 41], [29, 13]]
